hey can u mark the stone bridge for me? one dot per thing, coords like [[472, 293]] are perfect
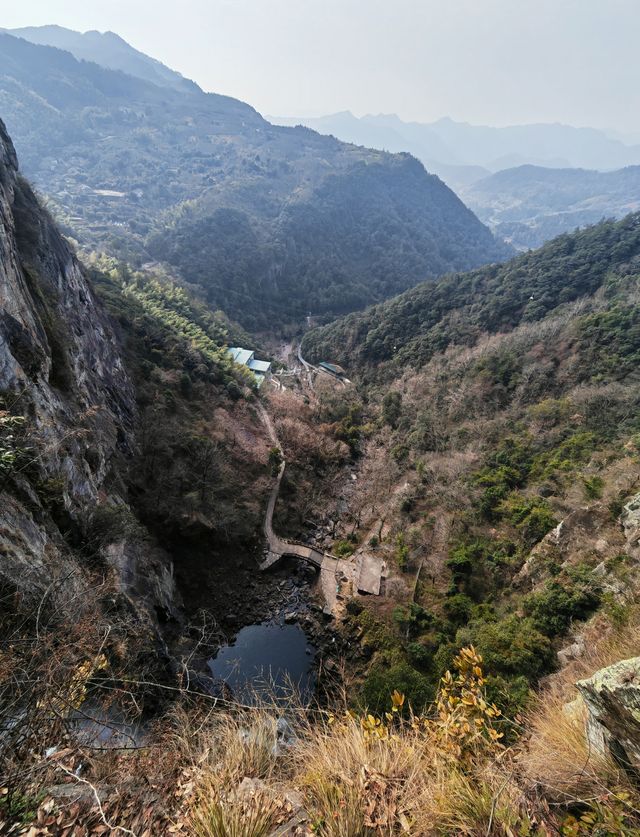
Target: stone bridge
[[279, 548]]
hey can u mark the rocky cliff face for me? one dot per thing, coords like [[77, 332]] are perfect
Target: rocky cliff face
[[67, 408]]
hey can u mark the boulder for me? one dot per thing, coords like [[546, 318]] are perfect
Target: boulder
[[570, 652], [250, 786], [612, 699]]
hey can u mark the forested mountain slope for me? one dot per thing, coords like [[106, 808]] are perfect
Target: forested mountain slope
[[459, 309], [272, 222], [491, 407], [529, 205]]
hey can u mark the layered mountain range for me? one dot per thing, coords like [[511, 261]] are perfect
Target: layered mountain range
[[529, 205], [270, 222], [528, 183], [462, 153]]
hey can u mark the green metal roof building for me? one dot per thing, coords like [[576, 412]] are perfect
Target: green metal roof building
[[246, 357]]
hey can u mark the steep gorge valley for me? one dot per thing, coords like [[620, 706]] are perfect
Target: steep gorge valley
[[450, 433]]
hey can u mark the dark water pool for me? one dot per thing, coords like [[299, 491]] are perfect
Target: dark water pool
[[269, 659]]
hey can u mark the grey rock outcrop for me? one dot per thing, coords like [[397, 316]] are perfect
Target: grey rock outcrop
[[612, 698], [57, 348], [62, 372], [586, 532]]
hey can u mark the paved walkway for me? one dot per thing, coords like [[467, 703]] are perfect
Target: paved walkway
[[337, 576]]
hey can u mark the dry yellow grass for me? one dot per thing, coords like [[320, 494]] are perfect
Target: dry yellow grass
[[229, 744], [226, 772], [443, 775], [234, 814], [557, 757], [361, 776], [353, 785], [402, 784]]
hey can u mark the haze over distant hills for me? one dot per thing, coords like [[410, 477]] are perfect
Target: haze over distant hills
[[272, 222], [461, 153], [529, 205], [106, 49], [529, 183]]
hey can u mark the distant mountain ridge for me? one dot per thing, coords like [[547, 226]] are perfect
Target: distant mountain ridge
[[271, 222], [106, 49], [529, 205], [461, 153], [391, 134]]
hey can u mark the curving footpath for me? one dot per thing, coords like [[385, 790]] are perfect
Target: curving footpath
[[337, 576], [309, 369], [278, 547]]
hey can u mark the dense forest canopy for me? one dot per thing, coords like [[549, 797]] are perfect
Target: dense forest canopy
[[458, 309]]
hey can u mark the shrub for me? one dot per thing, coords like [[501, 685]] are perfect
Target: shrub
[[12, 450], [617, 504], [111, 523], [383, 679], [392, 408], [400, 453], [343, 548], [414, 619], [593, 487], [420, 654], [275, 461], [407, 505], [464, 560], [564, 457], [512, 694], [511, 646], [402, 551], [507, 468], [234, 391], [551, 411], [553, 608], [531, 516], [458, 609]]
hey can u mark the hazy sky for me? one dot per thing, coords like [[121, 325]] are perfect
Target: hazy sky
[[483, 61]]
